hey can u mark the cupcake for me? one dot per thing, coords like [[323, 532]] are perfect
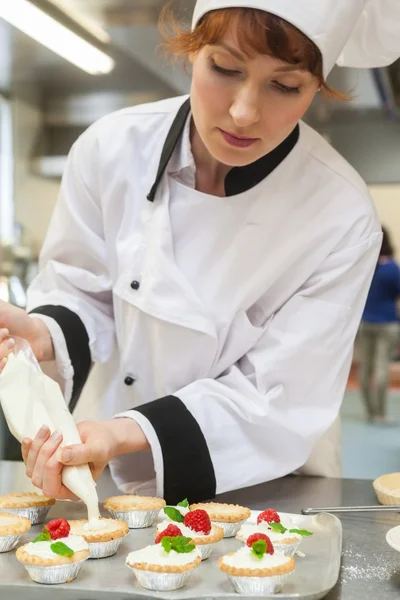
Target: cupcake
[[30, 505], [256, 569], [284, 536], [228, 516], [103, 536], [195, 525], [138, 511], [54, 556], [11, 529], [166, 566]]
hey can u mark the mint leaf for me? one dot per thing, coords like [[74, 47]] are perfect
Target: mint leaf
[[278, 527], [44, 536], [173, 514], [184, 503], [259, 548], [179, 543], [61, 549], [302, 532]]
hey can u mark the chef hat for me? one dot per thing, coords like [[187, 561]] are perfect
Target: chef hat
[[354, 33]]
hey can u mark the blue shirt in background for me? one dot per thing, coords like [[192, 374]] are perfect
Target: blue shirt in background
[[383, 294]]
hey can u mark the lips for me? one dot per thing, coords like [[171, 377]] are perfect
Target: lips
[[237, 141]]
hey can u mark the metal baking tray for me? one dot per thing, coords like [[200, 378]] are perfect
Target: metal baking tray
[[316, 573]]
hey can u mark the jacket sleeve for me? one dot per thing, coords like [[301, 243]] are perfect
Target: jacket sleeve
[[72, 292], [261, 418]]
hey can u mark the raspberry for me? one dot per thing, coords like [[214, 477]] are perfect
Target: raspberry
[[198, 520], [59, 528], [260, 536], [171, 531], [270, 516]]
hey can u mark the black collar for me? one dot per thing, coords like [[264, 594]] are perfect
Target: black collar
[[239, 179]]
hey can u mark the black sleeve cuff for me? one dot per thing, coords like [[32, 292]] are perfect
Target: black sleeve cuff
[[77, 341], [188, 468]]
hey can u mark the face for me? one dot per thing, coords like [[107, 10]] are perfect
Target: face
[[243, 107]]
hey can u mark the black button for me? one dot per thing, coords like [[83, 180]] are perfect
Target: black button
[[135, 285], [129, 381]]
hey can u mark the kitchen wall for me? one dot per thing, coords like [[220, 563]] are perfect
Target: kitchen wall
[[34, 196]]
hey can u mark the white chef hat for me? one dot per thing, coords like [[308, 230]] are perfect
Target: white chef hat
[[353, 33]]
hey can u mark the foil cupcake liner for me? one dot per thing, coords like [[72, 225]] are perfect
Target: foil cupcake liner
[[136, 519], [104, 549], [205, 550], [162, 582], [287, 549], [54, 575], [230, 529], [35, 515], [257, 586], [8, 542]]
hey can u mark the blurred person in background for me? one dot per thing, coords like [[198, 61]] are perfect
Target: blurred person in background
[[379, 332]]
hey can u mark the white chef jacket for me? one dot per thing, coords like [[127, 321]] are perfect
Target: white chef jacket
[[225, 325]]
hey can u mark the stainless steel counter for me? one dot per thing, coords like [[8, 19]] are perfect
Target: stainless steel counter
[[370, 568]]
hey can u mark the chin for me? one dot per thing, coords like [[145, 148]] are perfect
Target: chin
[[234, 157]]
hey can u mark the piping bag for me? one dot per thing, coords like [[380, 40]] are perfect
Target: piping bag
[[30, 399]]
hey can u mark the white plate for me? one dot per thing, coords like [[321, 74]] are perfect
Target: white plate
[[393, 538]]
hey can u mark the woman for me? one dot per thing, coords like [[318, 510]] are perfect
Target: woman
[[379, 331], [215, 254]]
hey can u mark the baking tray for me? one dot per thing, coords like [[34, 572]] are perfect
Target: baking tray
[[316, 573]]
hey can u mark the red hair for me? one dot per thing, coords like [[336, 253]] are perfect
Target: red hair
[[259, 33]]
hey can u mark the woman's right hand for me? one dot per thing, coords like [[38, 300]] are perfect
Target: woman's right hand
[[16, 322]]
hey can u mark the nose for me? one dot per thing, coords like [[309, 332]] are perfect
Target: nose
[[245, 109]]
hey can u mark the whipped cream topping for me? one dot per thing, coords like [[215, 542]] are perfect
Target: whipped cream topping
[[246, 530], [185, 530], [245, 559], [43, 550], [95, 525], [182, 509], [156, 555]]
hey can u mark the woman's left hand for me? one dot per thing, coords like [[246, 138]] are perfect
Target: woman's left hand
[[101, 442]]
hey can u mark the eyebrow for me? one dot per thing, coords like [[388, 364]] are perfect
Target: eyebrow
[[242, 58]]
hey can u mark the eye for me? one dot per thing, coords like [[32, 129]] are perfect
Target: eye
[[222, 71], [286, 89]]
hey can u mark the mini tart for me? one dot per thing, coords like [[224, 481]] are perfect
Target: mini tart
[[161, 571], [387, 489], [102, 542], [228, 516], [30, 505], [29, 559], [138, 511], [283, 569], [11, 528], [283, 542], [130, 503], [114, 530], [11, 525], [25, 500], [223, 513]]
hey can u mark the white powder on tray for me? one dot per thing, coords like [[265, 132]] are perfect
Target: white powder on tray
[[361, 569]]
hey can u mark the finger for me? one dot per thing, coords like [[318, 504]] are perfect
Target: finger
[[52, 481], [4, 334], [6, 347], [25, 447], [46, 452], [3, 363], [41, 438], [79, 454]]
